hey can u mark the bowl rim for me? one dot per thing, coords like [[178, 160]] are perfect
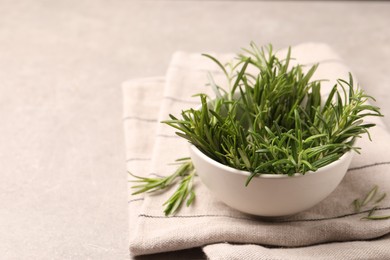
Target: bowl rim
[[231, 170]]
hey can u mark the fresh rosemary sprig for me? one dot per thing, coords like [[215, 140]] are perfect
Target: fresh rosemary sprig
[[184, 192], [369, 199], [273, 119]]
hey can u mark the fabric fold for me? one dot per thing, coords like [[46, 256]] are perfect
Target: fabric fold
[[151, 146]]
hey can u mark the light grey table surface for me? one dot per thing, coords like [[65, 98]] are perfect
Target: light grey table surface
[[63, 188]]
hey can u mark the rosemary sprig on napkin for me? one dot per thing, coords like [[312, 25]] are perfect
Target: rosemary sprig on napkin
[[371, 198], [184, 193]]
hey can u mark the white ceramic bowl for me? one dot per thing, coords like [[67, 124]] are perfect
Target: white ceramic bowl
[[269, 194]]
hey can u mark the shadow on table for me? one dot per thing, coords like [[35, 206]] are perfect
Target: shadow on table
[[190, 254]]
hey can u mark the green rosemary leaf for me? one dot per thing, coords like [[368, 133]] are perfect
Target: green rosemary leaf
[[312, 138], [149, 184], [370, 195], [377, 217], [183, 159], [326, 160], [191, 198], [309, 165], [357, 203], [251, 176], [240, 75], [244, 157], [372, 211], [214, 86], [381, 198], [218, 63]]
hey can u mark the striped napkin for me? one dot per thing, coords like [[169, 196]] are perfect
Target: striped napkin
[[327, 231]]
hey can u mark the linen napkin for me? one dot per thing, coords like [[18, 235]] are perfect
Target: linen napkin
[[330, 229]]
